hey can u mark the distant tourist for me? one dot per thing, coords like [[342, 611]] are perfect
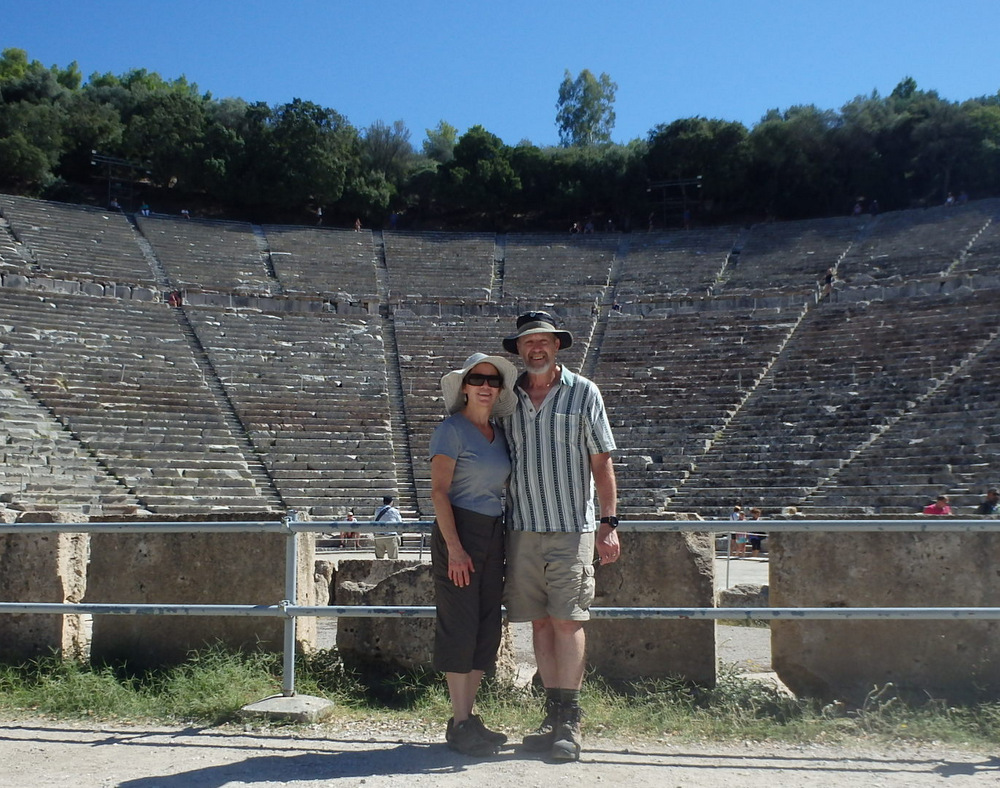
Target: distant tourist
[[755, 539], [387, 544], [991, 504], [350, 538], [940, 506], [357, 225]]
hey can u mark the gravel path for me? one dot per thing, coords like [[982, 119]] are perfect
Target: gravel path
[[37, 754]]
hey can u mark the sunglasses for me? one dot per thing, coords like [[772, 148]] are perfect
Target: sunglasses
[[477, 379]]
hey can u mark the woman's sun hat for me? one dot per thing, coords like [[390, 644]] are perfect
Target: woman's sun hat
[[537, 323], [451, 384]]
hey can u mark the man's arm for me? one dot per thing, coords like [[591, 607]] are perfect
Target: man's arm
[[603, 470]]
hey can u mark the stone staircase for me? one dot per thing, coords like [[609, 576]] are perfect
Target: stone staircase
[[406, 487], [258, 470]]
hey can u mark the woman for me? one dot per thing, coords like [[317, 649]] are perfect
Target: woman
[[469, 470]]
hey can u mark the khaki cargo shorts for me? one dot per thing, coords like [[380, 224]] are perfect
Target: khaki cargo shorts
[[549, 575]]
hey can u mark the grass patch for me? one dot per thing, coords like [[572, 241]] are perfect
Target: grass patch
[[212, 686]]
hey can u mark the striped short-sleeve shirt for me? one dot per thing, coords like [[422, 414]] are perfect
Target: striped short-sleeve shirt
[[551, 485]]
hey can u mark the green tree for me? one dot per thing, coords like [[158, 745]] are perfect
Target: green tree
[[480, 178], [585, 110], [440, 143], [714, 149]]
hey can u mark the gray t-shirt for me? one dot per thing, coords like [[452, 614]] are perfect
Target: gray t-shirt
[[481, 467]]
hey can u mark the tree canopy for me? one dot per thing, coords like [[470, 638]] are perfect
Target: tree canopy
[[229, 157]]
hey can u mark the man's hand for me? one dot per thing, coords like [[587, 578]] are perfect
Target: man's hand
[[608, 547]]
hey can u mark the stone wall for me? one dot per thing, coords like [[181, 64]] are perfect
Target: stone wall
[[958, 661], [42, 568], [193, 568], [656, 570]]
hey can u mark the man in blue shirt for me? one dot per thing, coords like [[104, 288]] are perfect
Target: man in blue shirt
[[560, 449], [387, 545]]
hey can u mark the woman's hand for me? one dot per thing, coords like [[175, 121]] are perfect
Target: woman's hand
[[460, 567]]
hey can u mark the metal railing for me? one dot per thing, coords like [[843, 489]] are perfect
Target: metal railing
[[291, 527]]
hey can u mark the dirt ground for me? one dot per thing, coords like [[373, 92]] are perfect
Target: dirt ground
[[39, 754]]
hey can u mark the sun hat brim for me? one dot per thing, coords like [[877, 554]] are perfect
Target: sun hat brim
[[537, 327], [451, 384]]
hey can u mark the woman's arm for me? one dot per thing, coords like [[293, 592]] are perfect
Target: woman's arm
[[459, 561]]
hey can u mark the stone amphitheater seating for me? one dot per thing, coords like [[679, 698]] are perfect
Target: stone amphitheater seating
[[317, 261], [983, 254], [76, 241], [848, 370], [670, 383], [660, 266], [311, 391], [209, 255], [871, 400], [456, 267], [909, 245], [949, 443], [560, 269], [42, 467], [120, 376], [789, 256], [13, 255]]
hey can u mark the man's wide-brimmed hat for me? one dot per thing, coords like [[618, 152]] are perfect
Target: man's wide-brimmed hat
[[451, 384], [537, 323]]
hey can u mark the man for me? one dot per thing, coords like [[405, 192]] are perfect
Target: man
[[991, 505], [387, 543], [560, 446]]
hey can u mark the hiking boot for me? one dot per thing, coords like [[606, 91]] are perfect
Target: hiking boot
[[497, 738], [465, 738], [567, 740], [544, 736]]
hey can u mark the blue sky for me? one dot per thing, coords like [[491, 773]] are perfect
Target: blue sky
[[499, 64]]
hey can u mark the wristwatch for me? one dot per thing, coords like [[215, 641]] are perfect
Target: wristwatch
[[612, 521]]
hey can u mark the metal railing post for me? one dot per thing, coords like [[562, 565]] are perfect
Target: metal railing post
[[291, 598]]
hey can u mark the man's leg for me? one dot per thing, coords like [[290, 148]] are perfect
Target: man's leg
[[560, 648]]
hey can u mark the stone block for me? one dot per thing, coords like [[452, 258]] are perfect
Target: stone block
[[390, 645], [385, 644], [656, 570], [194, 568], [958, 661], [42, 568]]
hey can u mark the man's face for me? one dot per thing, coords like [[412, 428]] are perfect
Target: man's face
[[538, 352]]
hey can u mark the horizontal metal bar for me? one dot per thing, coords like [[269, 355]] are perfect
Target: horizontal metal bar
[[422, 611], [210, 527], [917, 524], [100, 609]]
